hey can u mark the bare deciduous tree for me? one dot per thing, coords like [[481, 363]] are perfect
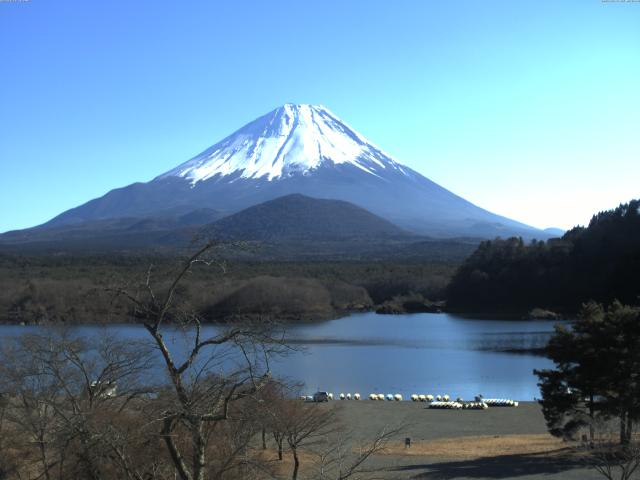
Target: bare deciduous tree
[[617, 462], [612, 460], [303, 425], [213, 372], [65, 394], [339, 457]]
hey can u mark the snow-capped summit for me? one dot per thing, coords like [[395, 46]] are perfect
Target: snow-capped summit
[[292, 139]]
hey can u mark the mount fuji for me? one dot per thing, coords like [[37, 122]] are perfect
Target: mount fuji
[[297, 149]]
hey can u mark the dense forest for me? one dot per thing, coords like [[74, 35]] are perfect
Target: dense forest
[[79, 288], [600, 262]]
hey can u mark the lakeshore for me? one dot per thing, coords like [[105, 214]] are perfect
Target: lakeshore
[[505, 443]]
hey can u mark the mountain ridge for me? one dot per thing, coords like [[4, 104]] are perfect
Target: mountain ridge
[[293, 227], [308, 150]]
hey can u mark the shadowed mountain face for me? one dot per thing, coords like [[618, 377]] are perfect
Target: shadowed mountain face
[[122, 233], [293, 227], [297, 217], [300, 149]]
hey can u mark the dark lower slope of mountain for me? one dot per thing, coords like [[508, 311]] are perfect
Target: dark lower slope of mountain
[[301, 218], [293, 227], [123, 231], [406, 198]]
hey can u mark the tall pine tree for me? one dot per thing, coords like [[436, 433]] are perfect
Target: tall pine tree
[[597, 372]]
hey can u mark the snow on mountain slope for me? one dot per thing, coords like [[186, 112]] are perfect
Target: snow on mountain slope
[[293, 139]]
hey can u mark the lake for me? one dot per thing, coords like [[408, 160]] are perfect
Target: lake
[[416, 353]]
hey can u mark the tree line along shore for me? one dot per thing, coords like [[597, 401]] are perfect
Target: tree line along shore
[[506, 277], [76, 289]]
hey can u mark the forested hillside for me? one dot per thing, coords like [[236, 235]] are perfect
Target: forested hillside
[[600, 262], [78, 289]]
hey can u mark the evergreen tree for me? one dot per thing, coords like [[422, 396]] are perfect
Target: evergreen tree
[[600, 262], [597, 372]]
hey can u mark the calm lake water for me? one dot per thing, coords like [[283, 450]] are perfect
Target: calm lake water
[[417, 353]]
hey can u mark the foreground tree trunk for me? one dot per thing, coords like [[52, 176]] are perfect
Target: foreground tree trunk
[[629, 429], [592, 419], [279, 438], [42, 447], [296, 463], [199, 445]]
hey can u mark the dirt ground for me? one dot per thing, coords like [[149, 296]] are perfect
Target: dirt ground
[[498, 443]]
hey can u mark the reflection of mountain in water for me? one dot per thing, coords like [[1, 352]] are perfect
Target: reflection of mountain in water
[[515, 342], [512, 342], [356, 342]]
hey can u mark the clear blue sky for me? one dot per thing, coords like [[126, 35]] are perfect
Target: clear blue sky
[[530, 109]]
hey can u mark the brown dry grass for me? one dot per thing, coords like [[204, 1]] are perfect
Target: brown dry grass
[[285, 466], [470, 448]]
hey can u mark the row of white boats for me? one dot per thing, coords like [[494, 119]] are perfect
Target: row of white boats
[[433, 401]]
